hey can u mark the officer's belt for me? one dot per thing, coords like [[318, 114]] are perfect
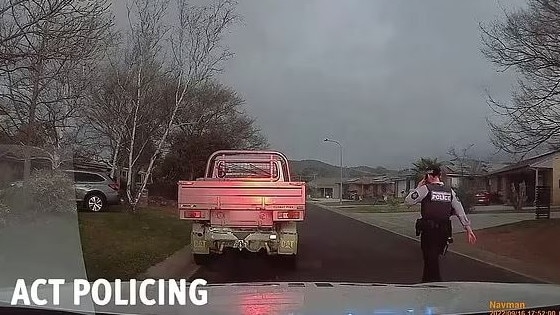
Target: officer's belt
[[424, 224], [431, 224]]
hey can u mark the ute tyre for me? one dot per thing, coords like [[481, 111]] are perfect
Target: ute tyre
[[288, 261], [202, 259]]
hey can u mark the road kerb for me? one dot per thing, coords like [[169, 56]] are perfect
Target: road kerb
[[452, 251], [180, 265]]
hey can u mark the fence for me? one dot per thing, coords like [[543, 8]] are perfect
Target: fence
[[542, 202]]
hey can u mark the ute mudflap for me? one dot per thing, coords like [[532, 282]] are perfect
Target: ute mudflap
[[279, 239]]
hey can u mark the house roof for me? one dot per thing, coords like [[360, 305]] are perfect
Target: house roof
[[16, 151], [325, 181], [87, 165], [370, 180], [539, 161], [366, 180]]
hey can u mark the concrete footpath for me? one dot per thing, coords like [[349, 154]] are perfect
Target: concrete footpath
[[402, 223]]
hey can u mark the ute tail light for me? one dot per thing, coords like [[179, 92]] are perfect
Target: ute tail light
[[114, 186]]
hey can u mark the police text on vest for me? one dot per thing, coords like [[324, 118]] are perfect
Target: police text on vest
[[441, 196]]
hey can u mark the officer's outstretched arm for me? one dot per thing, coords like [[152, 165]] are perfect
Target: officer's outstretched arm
[[416, 195], [460, 211]]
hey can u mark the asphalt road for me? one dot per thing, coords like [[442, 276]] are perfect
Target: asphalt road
[[339, 249]]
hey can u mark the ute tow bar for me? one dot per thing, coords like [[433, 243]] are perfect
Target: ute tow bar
[[240, 244]]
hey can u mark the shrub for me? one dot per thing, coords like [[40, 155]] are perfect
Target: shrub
[[52, 191], [394, 202], [466, 197], [46, 191]]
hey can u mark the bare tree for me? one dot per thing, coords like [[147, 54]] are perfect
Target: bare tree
[[465, 161], [110, 116], [139, 109], [107, 118], [528, 42], [131, 93], [218, 123], [49, 51], [197, 55]]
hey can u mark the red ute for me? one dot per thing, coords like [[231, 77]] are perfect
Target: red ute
[[246, 201]]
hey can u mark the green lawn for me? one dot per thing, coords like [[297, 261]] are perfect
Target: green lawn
[[118, 244], [539, 226]]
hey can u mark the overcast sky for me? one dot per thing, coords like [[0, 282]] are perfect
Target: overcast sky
[[391, 80]]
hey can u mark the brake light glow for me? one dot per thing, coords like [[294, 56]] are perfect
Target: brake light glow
[[288, 215], [194, 214], [114, 186]]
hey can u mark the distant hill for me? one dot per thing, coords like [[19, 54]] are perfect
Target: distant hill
[[308, 168]]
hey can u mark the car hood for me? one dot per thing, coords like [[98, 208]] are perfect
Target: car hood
[[336, 298]]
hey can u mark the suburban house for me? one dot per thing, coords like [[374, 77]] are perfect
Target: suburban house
[[466, 171], [324, 187], [366, 187], [14, 159], [369, 187], [539, 171], [504, 180], [404, 182]]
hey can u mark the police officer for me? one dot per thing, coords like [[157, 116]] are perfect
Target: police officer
[[438, 203]]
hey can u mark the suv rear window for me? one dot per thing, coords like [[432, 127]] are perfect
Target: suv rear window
[[88, 177]]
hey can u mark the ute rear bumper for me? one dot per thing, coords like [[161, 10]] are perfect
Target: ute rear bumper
[[279, 240]]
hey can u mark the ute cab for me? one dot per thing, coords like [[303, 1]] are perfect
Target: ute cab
[[246, 202]]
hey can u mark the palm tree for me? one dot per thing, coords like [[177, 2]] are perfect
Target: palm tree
[[422, 165]]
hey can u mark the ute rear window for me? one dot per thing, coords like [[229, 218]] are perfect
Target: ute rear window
[[264, 170]]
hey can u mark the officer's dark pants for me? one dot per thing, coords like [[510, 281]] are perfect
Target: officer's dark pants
[[432, 242]]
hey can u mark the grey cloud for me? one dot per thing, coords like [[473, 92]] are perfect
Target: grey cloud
[[392, 80]]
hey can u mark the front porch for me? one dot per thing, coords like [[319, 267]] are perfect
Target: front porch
[[519, 184]]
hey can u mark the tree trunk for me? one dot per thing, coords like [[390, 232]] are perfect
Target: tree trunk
[[114, 160], [129, 183], [27, 166], [178, 101]]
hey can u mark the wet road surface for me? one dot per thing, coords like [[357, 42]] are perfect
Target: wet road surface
[[336, 248]]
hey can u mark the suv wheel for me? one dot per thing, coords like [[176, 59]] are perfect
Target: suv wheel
[[95, 202]]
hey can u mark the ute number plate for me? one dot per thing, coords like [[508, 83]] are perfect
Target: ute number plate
[[199, 243], [287, 244]]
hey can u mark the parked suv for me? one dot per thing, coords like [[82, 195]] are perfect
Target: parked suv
[[95, 190]]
